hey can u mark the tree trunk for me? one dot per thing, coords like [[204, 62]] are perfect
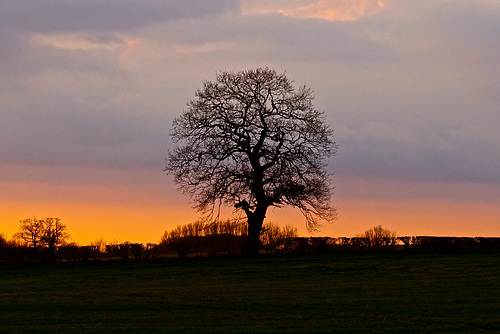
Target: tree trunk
[[255, 222]]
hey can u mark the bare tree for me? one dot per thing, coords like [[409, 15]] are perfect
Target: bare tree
[[378, 237], [55, 232], [276, 238], [48, 232], [250, 139], [31, 231]]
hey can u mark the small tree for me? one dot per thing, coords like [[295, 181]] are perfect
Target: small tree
[[276, 238], [31, 231], [3, 241], [48, 232], [251, 140], [54, 233], [137, 250], [205, 237], [6, 243], [377, 236], [100, 245], [176, 240]]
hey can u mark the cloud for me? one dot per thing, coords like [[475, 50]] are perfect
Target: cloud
[[336, 10], [273, 37], [63, 15], [78, 41], [257, 7], [411, 91], [31, 29]]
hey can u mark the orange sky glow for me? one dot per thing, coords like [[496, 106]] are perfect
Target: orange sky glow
[[118, 207], [410, 88]]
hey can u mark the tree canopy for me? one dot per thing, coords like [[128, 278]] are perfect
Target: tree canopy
[[250, 139], [48, 232]]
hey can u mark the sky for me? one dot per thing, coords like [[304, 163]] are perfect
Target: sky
[[89, 90]]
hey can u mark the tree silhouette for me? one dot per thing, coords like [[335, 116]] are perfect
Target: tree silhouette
[[276, 238], [377, 237], [48, 232], [3, 241], [55, 233], [31, 230], [250, 139]]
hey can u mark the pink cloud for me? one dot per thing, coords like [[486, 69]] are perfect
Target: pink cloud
[[336, 10]]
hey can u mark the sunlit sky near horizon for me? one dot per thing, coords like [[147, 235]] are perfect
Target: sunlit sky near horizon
[[89, 89]]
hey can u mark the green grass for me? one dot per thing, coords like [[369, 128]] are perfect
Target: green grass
[[278, 294]]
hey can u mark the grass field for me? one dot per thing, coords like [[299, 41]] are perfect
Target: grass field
[[271, 294]]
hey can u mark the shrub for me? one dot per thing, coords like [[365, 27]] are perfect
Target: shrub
[[378, 237], [276, 239]]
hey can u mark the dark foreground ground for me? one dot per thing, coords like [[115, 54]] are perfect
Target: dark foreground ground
[[400, 293]]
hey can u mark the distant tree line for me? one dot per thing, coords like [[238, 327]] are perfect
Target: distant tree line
[[46, 240], [205, 238], [226, 237]]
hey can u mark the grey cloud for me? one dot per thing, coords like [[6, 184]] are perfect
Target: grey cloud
[[474, 161], [32, 59], [413, 75], [94, 20], [104, 39], [472, 22], [284, 38], [63, 15], [421, 135], [10, 46], [68, 134], [399, 92]]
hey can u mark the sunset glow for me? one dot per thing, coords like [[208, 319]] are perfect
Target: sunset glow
[[410, 88], [335, 10]]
